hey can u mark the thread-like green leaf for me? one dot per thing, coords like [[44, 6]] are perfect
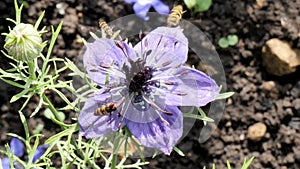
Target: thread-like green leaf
[[224, 95]]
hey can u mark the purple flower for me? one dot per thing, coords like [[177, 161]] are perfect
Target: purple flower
[[145, 84], [39, 152], [141, 7], [18, 149]]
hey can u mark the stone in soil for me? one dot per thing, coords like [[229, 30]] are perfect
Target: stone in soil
[[279, 58], [257, 131]]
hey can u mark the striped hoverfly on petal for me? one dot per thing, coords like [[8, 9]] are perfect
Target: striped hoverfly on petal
[[106, 109]]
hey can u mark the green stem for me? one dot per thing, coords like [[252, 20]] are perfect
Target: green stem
[[51, 107], [73, 141], [32, 70], [114, 161], [80, 152]]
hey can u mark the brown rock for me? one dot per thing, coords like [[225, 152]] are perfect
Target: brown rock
[[242, 137], [217, 148], [250, 10], [296, 104], [279, 58], [260, 4], [268, 86], [295, 123], [227, 138], [286, 103], [295, 91], [290, 158], [296, 151], [271, 88], [70, 22], [267, 145], [257, 131], [258, 117], [271, 118], [288, 135], [267, 157]]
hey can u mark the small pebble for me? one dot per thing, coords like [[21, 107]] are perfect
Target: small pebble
[[257, 131], [268, 86]]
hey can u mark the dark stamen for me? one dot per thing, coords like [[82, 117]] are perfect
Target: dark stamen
[[139, 80]]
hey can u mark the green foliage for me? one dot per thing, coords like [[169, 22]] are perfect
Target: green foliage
[[190, 3], [224, 95], [24, 3], [30, 149], [48, 114], [35, 79], [24, 42], [200, 115], [198, 5], [202, 5], [223, 43], [178, 151], [230, 40], [246, 164]]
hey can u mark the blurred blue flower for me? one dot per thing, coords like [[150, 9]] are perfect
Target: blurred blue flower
[[145, 84], [39, 152], [141, 7], [17, 148]]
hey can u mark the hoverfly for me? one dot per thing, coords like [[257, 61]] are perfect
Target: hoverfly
[[104, 27], [108, 30], [175, 16], [106, 109]]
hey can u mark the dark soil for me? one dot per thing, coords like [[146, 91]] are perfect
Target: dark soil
[[278, 108]]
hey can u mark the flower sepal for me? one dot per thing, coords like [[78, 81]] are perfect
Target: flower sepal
[[24, 42]]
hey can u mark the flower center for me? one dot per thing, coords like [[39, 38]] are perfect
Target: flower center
[[139, 83], [141, 87]]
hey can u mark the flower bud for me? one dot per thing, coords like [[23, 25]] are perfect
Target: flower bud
[[24, 43]]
